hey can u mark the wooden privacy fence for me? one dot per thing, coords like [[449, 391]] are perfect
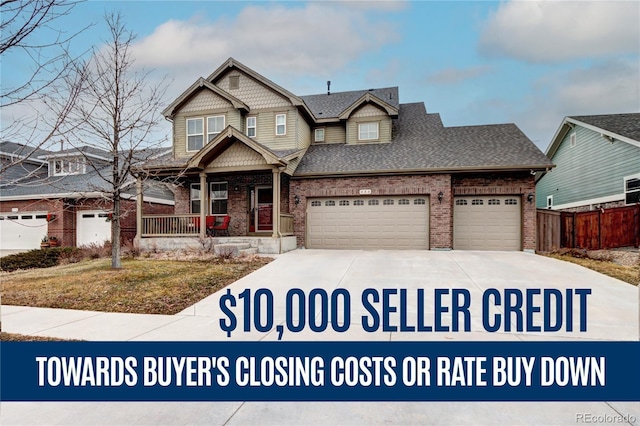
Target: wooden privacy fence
[[591, 230]]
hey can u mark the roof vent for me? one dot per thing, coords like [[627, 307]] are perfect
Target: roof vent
[[328, 87]]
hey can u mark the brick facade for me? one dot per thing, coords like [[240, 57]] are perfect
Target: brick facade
[[238, 204], [521, 184], [440, 229], [440, 213], [63, 226]]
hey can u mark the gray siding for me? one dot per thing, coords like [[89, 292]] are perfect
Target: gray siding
[[593, 168]]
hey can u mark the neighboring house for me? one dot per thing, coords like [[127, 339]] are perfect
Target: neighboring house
[[57, 193], [597, 160], [349, 170]]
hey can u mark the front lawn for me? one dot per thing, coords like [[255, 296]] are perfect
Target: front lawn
[[143, 286], [626, 273]]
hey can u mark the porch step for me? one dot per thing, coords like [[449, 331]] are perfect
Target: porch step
[[231, 249], [248, 251]]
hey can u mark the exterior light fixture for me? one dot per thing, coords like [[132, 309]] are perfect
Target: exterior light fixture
[[296, 199], [440, 196], [530, 197], [236, 188]]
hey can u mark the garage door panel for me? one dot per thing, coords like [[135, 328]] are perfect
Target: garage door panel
[[487, 223], [92, 227], [22, 231], [368, 223]]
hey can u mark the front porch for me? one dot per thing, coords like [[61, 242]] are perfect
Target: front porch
[[232, 192]]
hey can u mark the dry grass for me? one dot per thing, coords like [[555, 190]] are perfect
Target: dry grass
[[11, 337], [145, 286], [629, 274]]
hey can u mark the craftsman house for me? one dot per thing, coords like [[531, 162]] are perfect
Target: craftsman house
[[348, 170], [597, 161]]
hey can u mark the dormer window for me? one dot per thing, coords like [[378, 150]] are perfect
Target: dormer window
[[67, 166], [367, 131]]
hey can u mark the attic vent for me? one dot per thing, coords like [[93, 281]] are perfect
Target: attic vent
[[234, 82]]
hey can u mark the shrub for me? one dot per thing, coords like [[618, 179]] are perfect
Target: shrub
[[38, 258]]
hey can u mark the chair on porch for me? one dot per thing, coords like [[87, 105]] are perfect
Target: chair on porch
[[222, 227]]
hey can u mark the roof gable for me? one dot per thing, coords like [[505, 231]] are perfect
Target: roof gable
[[234, 64], [170, 111], [622, 127], [226, 139], [369, 98]]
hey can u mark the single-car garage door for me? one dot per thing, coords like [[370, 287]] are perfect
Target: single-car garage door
[[22, 231], [393, 222], [92, 228], [491, 222]]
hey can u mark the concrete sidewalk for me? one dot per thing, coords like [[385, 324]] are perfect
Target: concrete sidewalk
[[612, 315]]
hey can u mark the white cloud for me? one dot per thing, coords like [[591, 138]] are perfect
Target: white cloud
[[550, 31], [312, 39], [457, 75], [606, 88]]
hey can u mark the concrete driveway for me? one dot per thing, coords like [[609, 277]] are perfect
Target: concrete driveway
[[612, 315]]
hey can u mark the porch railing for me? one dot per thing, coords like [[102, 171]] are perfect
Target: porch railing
[[286, 224], [188, 225], [175, 225]]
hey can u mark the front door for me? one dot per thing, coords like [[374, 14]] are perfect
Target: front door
[[264, 208]]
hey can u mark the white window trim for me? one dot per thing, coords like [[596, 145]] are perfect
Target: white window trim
[[195, 134], [315, 134], [377, 124], [549, 201], [254, 127], [79, 161], [624, 187], [224, 120], [285, 125]]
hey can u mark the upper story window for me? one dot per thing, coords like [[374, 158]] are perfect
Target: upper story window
[[281, 124], [67, 166], [318, 135], [214, 126], [195, 134], [632, 189], [367, 131], [251, 127]]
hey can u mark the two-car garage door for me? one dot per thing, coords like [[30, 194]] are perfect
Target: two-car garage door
[[492, 222], [387, 222]]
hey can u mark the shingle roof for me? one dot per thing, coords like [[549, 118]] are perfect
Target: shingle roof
[[421, 143], [627, 125], [330, 106], [20, 149]]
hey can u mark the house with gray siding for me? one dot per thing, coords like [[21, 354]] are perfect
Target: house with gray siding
[[597, 160], [346, 170]]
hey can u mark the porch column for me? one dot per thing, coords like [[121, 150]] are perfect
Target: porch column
[[203, 205], [276, 202], [139, 206]]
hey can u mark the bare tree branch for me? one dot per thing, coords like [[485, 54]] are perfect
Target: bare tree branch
[[117, 112]]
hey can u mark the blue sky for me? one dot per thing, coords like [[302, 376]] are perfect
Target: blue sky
[[481, 62]]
